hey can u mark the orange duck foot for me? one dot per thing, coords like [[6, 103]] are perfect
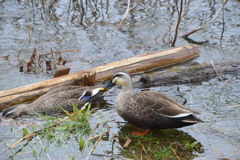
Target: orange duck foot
[[141, 133]]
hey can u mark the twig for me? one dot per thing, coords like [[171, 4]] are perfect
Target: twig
[[12, 13], [90, 135], [121, 22], [148, 157], [44, 148], [234, 106], [96, 144], [71, 50], [179, 20], [127, 143], [99, 135], [208, 23], [35, 133], [175, 153], [54, 58], [111, 156], [117, 140], [131, 9], [214, 68], [141, 154], [124, 17], [22, 48]]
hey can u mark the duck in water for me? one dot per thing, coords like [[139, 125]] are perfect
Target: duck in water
[[149, 109], [61, 96]]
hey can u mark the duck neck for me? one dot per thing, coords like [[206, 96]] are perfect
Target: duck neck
[[126, 90]]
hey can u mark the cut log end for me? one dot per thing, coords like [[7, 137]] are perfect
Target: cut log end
[[86, 79]]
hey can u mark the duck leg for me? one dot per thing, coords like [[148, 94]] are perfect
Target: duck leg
[[141, 132]]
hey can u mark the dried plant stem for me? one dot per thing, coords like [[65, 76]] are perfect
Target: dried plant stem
[[214, 68], [112, 156], [90, 135], [101, 135], [208, 23], [234, 106], [179, 20], [124, 17], [127, 143], [22, 48], [44, 148], [71, 50], [145, 151], [131, 9], [175, 153], [35, 133]]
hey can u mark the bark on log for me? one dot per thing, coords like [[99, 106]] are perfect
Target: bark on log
[[135, 64], [192, 74]]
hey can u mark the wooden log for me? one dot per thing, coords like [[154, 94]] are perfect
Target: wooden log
[[86, 79], [61, 71], [135, 64], [193, 74], [148, 61]]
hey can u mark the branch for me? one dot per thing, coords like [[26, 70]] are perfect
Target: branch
[[179, 20], [124, 17], [207, 24], [131, 9]]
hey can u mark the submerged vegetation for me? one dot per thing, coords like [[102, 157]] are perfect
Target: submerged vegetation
[[165, 144]]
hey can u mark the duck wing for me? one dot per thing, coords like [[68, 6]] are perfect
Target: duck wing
[[154, 110], [162, 104]]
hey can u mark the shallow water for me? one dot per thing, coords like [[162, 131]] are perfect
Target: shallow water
[[89, 28]]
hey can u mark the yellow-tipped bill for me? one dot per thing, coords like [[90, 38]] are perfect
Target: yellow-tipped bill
[[102, 89]]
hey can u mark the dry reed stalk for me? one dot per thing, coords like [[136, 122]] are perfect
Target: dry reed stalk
[[44, 148], [112, 156], [96, 144], [99, 135], [175, 153], [234, 106], [131, 9], [178, 22], [90, 135], [124, 17], [145, 151]]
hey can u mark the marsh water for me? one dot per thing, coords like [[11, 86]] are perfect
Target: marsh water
[[85, 34]]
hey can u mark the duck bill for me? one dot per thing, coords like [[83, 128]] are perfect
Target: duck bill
[[107, 86]]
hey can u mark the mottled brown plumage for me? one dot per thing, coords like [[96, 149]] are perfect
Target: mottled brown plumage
[[62, 96], [149, 109]]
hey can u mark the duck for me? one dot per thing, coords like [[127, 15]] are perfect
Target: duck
[[61, 96], [149, 110]]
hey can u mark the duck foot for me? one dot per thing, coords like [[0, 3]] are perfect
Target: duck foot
[[141, 133]]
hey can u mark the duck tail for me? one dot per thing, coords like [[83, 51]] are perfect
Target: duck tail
[[191, 119], [14, 111]]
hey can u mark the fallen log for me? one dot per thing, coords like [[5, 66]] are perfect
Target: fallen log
[[192, 74], [135, 64]]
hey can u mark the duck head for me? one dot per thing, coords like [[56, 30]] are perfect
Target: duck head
[[121, 78]]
